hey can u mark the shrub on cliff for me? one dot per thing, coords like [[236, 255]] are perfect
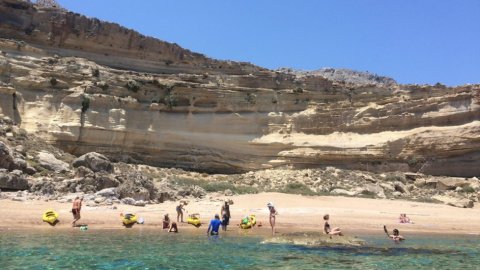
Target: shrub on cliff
[[85, 103], [170, 100], [53, 81], [215, 186], [133, 85], [96, 73], [298, 188], [251, 98]]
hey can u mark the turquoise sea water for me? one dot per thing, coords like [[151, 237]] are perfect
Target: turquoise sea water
[[148, 249]]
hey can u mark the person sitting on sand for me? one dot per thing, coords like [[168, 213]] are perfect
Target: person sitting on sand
[[395, 236], [166, 222], [77, 206], [180, 209], [214, 225], [273, 214], [404, 219], [328, 230], [173, 228]]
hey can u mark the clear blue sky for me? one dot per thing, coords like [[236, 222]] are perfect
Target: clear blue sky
[[412, 41]]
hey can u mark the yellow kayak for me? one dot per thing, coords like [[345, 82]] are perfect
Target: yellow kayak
[[50, 216], [129, 219], [248, 222], [194, 220]]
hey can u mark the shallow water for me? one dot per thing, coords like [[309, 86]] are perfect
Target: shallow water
[[137, 249]]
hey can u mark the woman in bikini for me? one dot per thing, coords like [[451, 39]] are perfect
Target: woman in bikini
[[273, 214], [328, 230]]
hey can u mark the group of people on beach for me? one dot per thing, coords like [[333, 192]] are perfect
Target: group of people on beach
[[214, 225]]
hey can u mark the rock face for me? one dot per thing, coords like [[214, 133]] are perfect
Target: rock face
[[50, 162], [62, 32], [95, 162], [13, 180], [201, 114]]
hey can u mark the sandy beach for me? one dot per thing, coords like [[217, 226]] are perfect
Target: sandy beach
[[296, 213]]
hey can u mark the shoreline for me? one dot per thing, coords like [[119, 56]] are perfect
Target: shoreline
[[355, 216]]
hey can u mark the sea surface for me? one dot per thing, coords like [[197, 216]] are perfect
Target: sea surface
[[150, 249]]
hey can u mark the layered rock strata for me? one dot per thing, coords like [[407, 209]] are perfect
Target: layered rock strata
[[151, 102]]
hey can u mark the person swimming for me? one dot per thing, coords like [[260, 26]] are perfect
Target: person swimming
[[395, 236]]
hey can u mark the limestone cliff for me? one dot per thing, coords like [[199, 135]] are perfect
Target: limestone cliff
[[87, 85]]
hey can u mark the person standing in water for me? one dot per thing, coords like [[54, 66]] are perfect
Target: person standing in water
[[395, 236], [77, 206], [214, 225], [225, 215], [273, 214], [180, 212]]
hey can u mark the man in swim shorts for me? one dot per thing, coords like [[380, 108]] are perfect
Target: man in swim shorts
[[77, 206], [396, 237], [214, 225]]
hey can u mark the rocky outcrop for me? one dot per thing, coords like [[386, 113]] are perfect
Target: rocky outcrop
[[14, 180], [344, 76], [454, 201], [6, 159], [315, 239], [206, 115], [50, 162], [136, 186], [95, 162]]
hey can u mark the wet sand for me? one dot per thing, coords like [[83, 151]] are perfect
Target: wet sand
[[296, 213]]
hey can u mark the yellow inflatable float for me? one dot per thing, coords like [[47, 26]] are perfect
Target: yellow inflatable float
[[194, 219], [50, 217], [248, 222], [128, 219]]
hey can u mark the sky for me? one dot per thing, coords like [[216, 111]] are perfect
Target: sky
[[412, 41]]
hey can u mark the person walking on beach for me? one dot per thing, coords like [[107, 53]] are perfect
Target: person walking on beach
[[273, 214], [214, 225], [328, 230], [180, 212], [225, 215], [77, 206]]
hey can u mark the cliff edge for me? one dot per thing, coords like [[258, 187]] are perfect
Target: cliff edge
[[86, 85]]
